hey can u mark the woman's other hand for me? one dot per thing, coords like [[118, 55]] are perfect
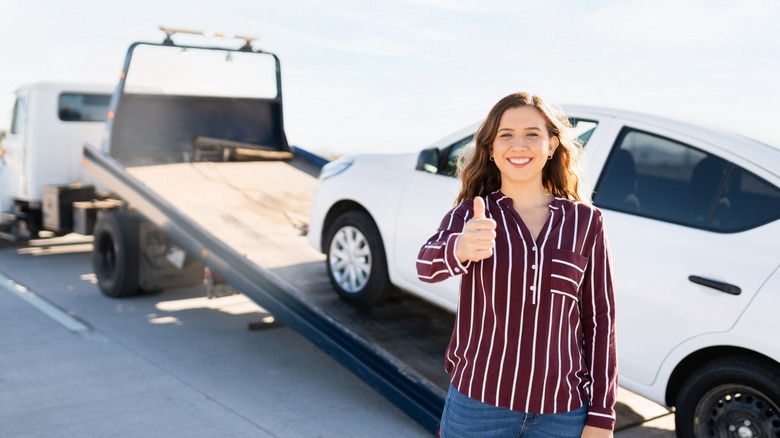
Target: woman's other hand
[[595, 432]]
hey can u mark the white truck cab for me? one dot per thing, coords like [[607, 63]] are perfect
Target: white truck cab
[[42, 145]]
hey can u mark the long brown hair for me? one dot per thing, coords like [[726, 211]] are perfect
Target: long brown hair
[[479, 176]]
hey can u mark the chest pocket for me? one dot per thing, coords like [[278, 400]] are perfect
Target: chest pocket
[[566, 273]]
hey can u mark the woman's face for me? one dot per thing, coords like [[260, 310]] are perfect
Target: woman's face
[[521, 146]]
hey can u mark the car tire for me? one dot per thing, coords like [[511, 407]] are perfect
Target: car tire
[[731, 396], [356, 261], [115, 256]]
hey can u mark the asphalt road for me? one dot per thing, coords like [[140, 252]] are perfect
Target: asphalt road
[[76, 363]]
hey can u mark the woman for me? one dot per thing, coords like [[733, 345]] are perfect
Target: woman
[[533, 348]]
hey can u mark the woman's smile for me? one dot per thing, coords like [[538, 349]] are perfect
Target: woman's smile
[[519, 161]]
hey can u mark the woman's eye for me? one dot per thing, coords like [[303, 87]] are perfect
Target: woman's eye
[[506, 135], [533, 134]]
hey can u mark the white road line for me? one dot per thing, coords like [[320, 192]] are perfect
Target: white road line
[[44, 306]]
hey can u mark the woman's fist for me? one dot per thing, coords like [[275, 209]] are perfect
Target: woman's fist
[[478, 238]]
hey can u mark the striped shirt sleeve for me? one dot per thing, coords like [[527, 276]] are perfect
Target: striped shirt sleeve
[[598, 323], [437, 260]]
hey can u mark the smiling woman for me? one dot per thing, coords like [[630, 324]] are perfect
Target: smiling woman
[[534, 336]]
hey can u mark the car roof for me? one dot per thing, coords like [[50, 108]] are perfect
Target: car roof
[[762, 154]]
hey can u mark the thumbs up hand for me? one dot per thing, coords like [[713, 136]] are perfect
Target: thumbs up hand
[[478, 238]]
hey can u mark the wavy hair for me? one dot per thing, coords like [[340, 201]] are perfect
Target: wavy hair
[[560, 176]]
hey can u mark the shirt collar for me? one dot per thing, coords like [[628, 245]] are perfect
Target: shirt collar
[[498, 195]]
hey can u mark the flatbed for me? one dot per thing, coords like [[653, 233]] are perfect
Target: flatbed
[[247, 221], [260, 209]]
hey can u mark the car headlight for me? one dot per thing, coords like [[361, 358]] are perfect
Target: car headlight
[[335, 167]]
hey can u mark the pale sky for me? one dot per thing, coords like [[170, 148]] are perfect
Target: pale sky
[[396, 75]]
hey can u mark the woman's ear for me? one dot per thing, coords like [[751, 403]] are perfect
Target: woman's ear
[[554, 142]]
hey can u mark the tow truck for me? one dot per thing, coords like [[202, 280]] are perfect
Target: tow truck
[[195, 149]]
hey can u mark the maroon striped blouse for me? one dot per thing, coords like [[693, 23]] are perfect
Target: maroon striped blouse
[[535, 326]]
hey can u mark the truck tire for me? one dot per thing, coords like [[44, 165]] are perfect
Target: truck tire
[[115, 256], [356, 261], [33, 222], [731, 396]]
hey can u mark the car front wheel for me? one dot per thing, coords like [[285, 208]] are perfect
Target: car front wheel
[[356, 262], [730, 397]]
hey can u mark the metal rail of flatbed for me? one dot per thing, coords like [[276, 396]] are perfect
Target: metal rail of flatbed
[[403, 386]]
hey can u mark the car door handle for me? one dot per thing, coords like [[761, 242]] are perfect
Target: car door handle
[[719, 285]]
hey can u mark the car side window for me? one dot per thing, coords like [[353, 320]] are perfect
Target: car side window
[[582, 129], [660, 178], [453, 154], [747, 202]]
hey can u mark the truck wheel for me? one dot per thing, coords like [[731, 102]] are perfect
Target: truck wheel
[[356, 261], [33, 222], [115, 254], [732, 396]]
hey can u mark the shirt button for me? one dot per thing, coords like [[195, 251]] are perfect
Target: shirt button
[[533, 249], [533, 287], [533, 267], [457, 270]]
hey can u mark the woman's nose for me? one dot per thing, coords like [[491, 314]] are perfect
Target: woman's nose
[[520, 143]]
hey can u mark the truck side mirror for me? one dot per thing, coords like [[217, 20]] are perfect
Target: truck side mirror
[[428, 160]]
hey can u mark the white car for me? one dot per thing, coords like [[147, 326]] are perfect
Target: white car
[[692, 217]]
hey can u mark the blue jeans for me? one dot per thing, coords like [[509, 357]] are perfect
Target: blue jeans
[[465, 417]]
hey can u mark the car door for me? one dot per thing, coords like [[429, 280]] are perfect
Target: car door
[[688, 224], [429, 194]]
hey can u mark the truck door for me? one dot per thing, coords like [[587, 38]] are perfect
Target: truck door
[[12, 163]]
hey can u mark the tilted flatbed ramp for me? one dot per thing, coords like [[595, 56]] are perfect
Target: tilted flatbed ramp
[[246, 220]]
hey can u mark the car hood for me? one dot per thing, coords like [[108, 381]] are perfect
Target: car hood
[[406, 160]]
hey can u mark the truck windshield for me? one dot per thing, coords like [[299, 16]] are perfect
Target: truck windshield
[[201, 72], [19, 119]]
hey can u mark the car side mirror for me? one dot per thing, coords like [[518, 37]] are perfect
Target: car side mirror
[[428, 160]]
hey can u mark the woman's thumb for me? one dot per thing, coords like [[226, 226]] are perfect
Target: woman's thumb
[[479, 208]]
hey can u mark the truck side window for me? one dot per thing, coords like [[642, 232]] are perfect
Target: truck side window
[[82, 107], [20, 116]]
